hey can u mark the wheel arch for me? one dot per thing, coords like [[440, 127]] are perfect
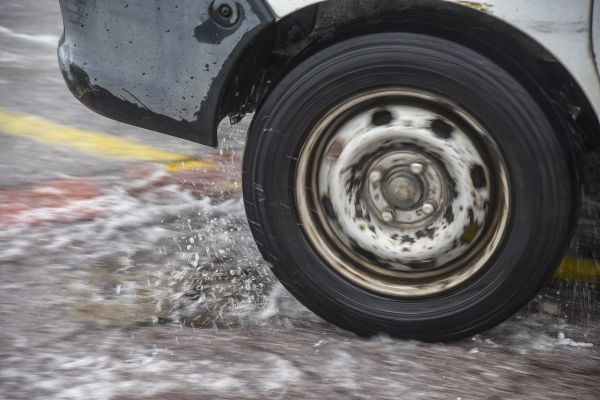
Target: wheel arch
[[307, 30]]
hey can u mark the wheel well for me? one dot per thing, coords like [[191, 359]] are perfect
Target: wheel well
[[297, 36]]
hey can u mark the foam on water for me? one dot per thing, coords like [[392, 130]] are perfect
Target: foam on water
[[154, 253], [109, 307]]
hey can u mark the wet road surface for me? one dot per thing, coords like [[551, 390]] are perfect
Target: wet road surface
[[123, 280]]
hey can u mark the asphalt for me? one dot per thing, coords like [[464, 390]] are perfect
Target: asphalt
[[132, 275]]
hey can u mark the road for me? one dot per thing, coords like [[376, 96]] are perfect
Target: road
[[128, 277]]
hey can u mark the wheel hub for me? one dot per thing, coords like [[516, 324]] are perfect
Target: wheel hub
[[403, 191], [405, 185]]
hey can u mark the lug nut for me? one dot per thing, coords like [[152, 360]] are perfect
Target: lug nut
[[416, 168], [375, 176], [428, 208], [387, 216]]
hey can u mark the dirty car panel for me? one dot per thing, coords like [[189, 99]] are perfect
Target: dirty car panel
[[160, 65]]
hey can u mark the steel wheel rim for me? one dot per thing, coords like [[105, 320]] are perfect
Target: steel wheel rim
[[415, 150]]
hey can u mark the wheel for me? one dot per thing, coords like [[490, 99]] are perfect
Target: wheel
[[403, 184]]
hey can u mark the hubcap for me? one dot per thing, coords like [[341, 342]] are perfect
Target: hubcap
[[409, 196], [402, 192]]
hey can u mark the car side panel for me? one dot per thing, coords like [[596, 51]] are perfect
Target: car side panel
[[157, 64]]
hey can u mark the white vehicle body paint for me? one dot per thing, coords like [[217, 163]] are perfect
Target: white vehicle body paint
[[281, 8], [568, 29]]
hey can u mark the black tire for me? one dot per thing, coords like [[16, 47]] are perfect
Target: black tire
[[542, 202]]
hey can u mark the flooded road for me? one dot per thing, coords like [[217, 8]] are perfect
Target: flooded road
[[134, 279]]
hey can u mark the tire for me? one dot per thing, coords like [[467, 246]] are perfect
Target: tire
[[411, 72]]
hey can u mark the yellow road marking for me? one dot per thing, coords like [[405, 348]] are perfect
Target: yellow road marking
[[183, 165], [93, 143], [579, 269]]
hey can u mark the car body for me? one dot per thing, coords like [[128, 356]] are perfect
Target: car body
[[175, 68]]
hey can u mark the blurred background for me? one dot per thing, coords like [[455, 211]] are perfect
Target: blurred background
[[127, 271]]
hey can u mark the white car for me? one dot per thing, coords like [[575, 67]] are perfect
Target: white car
[[414, 167]]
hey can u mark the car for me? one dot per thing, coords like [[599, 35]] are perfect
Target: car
[[413, 168]]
